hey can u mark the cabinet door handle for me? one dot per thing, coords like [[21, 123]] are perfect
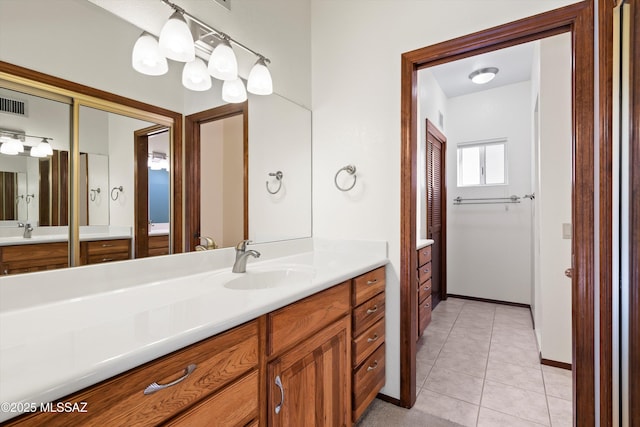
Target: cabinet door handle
[[372, 339], [279, 405], [426, 270], [152, 388], [371, 282], [426, 306], [426, 288], [372, 367], [372, 310]]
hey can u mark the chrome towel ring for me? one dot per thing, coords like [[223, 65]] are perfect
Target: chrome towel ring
[[278, 176], [93, 194], [118, 190], [351, 170]]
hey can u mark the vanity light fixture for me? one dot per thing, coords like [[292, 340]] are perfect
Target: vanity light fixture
[[483, 75], [176, 42], [157, 161], [13, 144]]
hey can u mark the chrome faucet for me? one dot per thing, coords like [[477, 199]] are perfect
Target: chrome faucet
[[27, 230], [242, 254]]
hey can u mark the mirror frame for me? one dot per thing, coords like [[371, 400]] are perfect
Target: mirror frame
[[87, 96]]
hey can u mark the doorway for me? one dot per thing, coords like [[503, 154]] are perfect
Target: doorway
[[577, 20]]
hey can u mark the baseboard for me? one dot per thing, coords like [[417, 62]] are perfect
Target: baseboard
[[494, 301], [555, 364], [389, 399]]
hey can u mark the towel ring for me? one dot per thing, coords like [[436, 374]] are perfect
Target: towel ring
[[118, 191], [351, 170], [92, 195], [30, 197], [278, 176]]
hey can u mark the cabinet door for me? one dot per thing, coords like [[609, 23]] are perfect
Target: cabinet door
[[310, 384]]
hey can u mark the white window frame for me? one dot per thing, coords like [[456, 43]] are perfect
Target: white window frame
[[482, 144]]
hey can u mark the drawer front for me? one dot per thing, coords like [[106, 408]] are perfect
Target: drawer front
[[424, 314], [364, 344], [118, 256], [235, 405], [424, 255], [424, 272], [365, 315], [104, 247], [38, 253], [368, 379], [121, 401], [295, 322], [368, 285], [424, 290]]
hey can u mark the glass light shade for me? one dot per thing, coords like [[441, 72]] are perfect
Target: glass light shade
[[195, 75], [36, 153], [176, 41], [45, 148], [9, 149], [484, 75], [146, 57], [223, 64], [260, 82], [233, 91]]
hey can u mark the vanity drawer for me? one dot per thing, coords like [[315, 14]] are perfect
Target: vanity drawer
[[424, 255], [364, 344], [235, 405], [295, 322], [424, 272], [106, 247], [33, 257], [368, 313], [424, 314], [368, 285], [424, 290], [368, 379], [121, 401], [159, 245]]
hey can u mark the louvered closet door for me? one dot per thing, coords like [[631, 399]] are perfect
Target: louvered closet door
[[435, 208]]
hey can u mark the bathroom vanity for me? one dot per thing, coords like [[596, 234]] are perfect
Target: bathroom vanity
[[298, 338]]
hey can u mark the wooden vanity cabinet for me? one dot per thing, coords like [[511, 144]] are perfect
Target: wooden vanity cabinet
[[423, 289], [27, 258], [368, 342], [158, 244], [99, 251], [308, 372]]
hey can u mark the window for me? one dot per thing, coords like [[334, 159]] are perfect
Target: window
[[482, 163]]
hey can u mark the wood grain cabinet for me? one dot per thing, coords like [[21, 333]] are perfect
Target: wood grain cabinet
[[99, 251], [423, 288], [158, 244], [32, 257], [308, 373], [368, 348]]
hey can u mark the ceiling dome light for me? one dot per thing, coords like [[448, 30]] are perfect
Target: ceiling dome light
[[147, 58], [44, 147], [176, 41], [483, 75], [195, 75], [223, 64], [233, 91], [260, 82]]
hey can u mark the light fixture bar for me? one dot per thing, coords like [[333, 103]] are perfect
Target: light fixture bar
[[213, 31], [20, 135]]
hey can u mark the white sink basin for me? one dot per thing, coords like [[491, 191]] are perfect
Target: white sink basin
[[269, 279]]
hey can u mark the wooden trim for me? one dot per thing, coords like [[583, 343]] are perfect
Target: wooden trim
[[578, 19], [192, 165], [555, 363], [605, 107], [634, 216], [389, 399], [176, 118], [492, 301]]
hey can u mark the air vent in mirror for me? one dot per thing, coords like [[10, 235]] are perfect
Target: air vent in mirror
[[13, 106]]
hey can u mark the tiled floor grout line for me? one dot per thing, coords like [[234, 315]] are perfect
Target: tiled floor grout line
[[486, 366], [546, 395]]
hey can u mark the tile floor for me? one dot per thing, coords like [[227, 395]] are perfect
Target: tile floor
[[478, 365]]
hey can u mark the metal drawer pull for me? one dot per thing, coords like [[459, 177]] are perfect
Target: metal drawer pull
[[279, 384], [105, 245], [374, 338], [371, 282], [152, 388], [107, 259], [372, 310], [375, 365]]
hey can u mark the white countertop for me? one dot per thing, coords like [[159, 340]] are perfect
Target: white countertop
[[421, 243], [89, 330], [13, 236]]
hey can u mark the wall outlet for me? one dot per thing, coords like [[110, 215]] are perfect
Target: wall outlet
[[566, 231]]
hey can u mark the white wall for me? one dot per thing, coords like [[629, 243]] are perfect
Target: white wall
[[488, 246], [431, 103], [553, 199], [98, 167], [356, 50]]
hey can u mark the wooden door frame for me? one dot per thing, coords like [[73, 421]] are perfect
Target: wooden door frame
[[192, 166], [576, 19], [442, 260]]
